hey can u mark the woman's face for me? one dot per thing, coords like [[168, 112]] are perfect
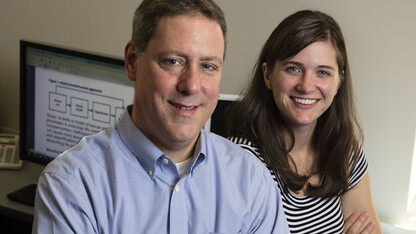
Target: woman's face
[[304, 86]]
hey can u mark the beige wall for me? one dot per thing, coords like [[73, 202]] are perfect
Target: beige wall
[[380, 37]]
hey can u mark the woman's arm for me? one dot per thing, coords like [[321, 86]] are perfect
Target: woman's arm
[[359, 210]]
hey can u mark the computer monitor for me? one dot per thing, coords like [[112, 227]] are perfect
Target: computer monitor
[[66, 94], [217, 123]]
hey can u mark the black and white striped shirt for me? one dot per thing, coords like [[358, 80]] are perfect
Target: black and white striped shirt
[[309, 214]]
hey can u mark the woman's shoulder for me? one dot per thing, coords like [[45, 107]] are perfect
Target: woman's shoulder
[[241, 140], [246, 144], [357, 167]]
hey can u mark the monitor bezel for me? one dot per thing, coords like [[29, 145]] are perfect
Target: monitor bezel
[[221, 97], [23, 46]]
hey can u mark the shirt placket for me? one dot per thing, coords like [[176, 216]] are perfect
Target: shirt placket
[[177, 206], [177, 210]]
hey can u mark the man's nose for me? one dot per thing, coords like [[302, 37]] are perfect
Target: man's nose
[[189, 81]]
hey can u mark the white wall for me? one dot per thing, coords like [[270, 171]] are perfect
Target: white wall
[[380, 37]]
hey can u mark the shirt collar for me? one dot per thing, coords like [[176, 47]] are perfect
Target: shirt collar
[[200, 150], [141, 147], [146, 152]]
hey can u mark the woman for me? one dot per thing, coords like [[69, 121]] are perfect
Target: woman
[[298, 117]]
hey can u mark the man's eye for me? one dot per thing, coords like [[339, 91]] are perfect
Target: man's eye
[[171, 64], [172, 61], [208, 66]]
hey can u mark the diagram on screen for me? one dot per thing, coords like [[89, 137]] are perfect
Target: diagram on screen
[[86, 104]]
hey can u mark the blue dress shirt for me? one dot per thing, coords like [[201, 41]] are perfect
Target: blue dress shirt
[[118, 181]]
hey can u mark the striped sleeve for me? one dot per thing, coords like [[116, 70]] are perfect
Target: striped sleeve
[[358, 171]]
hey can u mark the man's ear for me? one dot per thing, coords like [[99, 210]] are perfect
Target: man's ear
[[130, 60], [266, 75]]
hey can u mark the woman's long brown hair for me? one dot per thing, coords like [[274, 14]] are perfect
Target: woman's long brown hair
[[337, 134]]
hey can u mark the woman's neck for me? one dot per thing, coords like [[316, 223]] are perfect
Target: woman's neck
[[303, 152], [303, 138]]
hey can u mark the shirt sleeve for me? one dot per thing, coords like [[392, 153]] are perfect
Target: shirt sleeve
[[358, 171], [267, 210], [61, 208]]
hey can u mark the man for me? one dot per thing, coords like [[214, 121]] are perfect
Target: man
[[156, 171]]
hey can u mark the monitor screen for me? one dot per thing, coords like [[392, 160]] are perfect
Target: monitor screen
[[66, 94], [218, 121]]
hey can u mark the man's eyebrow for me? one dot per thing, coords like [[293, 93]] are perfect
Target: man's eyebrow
[[213, 58], [181, 54], [218, 60], [171, 52]]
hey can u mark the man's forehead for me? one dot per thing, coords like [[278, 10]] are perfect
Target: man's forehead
[[172, 19], [179, 31]]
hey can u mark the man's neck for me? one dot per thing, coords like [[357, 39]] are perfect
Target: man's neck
[[181, 151]]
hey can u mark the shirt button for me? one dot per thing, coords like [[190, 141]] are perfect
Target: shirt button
[[165, 161], [150, 172], [177, 188]]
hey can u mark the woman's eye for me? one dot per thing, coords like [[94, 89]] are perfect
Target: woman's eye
[[292, 69], [323, 74]]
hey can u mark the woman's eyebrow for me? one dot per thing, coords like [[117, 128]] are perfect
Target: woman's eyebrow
[[293, 63], [327, 67], [301, 65]]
